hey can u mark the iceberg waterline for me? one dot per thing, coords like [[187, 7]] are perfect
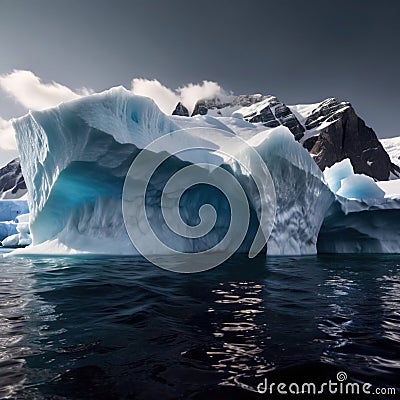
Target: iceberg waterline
[[75, 158]]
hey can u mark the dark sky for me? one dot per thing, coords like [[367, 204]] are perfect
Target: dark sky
[[300, 51]]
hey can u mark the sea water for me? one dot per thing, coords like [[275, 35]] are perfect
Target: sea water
[[121, 328]]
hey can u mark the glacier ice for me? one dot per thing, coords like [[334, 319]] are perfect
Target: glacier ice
[[365, 215], [10, 209], [75, 157], [334, 175], [360, 187], [9, 212], [21, 237], [342, 180]]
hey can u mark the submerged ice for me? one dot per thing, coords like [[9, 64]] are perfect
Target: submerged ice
[[75, 158]]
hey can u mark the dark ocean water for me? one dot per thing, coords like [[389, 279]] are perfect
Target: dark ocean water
[[120, 328]]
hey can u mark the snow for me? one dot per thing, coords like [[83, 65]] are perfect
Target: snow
[[392, 147], [253, 108], [303, 111], [391, 188]]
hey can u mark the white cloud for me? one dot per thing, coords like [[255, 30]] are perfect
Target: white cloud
[[167, 99], [8, 145], [7, 135], [27, 89], [191, 93]]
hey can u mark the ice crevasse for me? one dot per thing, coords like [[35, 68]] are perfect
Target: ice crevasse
[[75, 157]]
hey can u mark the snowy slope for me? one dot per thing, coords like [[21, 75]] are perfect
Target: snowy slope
[[392, 147]]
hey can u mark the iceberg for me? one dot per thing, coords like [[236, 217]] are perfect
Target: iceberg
[[22, 236], [365, 216], [9, 212], [75, 158]]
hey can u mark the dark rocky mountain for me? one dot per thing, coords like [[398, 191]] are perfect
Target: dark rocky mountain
[[181, 110], [331, 132], [342, 134], [276, 113], [12, 183]]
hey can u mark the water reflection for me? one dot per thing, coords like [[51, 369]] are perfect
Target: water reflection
[[16, 304], [355, 328], [24, 315], [122, 328], [235, 309], [390, 285]]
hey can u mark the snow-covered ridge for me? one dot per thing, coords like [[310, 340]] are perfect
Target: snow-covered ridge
[[392, 147]]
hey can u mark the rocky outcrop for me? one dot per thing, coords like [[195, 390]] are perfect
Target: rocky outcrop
[[288, 119], [12, 183], [200, 108], [272, 113], [181, 110], [341, 134], [225, 107], [265, 116]]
